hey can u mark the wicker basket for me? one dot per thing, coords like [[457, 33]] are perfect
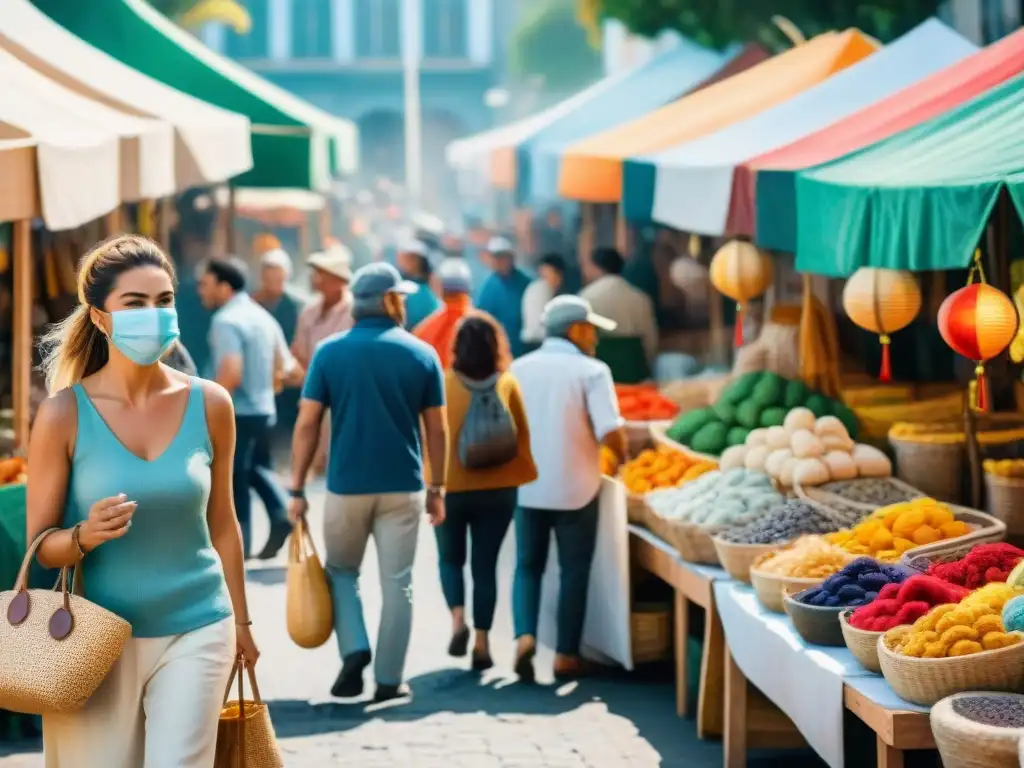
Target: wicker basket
[[928, 681], [1005, 502], [651, 631], [637, 511], [815, 624], [863, 643], [938, 468], [964, 742], [771, 588], [737, 558], [986, 529], [693, 542]]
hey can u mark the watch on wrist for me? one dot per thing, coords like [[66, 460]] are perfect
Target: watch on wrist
[[436, 490], [297, 493]]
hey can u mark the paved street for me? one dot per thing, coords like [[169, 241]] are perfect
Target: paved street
[[456, 718]]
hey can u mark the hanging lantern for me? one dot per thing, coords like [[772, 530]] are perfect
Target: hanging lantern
[[882, 301], [741, 272], [978, 322], [263, 242]]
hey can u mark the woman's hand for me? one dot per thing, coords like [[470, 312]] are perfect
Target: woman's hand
[[245, 646], [108, 519]]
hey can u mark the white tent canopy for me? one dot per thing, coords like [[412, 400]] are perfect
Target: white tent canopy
[[78, 160], [694, 180], [212, 144], [475, 151]]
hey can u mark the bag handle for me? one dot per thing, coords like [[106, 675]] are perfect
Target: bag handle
[[301, 546], [21, 583], [239, 664]]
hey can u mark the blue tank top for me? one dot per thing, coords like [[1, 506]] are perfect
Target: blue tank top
[[163, 576]]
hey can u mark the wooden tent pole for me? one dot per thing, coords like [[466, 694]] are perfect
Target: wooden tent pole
[[164, 208], [113, 222], [22, 331], [231, 230]]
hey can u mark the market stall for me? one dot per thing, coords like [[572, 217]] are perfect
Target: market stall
[[765, 201], [689, 186], [592, 169]]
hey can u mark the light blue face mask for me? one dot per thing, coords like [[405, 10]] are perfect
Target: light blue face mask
[[144, 335]]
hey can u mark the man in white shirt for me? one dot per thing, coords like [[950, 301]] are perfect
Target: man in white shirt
[[611, 295], [549, 283], [572, 410]]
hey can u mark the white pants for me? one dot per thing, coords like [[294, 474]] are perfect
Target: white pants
[[158, 708]]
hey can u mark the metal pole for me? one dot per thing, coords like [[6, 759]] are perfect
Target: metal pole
[[22, 331], [412, 33]]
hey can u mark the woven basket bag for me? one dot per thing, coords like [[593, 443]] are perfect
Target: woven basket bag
[[245, 734], [55, 646], [309, 612]]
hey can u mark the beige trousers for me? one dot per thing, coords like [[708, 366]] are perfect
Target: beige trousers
[[158, 708]]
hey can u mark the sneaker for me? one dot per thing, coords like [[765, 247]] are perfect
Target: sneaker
[[279, 532], [350, 680], [391, 692]]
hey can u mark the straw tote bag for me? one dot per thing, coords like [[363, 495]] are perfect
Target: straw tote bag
[[245, 735], [308, 607], [55, 646]]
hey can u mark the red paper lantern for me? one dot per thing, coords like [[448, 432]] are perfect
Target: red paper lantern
[[978, 322]]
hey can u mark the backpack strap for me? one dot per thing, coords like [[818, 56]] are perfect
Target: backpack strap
[[479, 386]]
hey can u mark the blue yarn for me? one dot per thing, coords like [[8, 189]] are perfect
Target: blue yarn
[[1013, 614]]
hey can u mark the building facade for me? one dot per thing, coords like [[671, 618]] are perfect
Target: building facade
[[345, 56]]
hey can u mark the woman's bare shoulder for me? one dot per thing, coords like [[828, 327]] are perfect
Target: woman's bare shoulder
[[56, 420], [217, 399]]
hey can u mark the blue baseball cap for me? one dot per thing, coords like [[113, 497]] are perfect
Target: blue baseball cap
[[378, 279]]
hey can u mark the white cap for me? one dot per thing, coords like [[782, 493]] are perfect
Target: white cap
[[455, 276], [335, 261], [500, 245], [276, 257], [415, 246], [564, 311]]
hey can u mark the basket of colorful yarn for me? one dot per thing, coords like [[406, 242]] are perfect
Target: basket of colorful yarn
[[806, 562], [898, 528], [979, 730], [970, 566], [955, 648], [815, 611], [899, 603]]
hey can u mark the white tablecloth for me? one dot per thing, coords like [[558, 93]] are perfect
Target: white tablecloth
[[805, 682]]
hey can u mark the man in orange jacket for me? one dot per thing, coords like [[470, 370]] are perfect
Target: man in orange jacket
[[438, 328]]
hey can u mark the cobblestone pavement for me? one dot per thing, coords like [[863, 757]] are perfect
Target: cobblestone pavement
[[457, 718]]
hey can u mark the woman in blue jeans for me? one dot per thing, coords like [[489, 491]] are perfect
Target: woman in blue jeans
[[480, 502]]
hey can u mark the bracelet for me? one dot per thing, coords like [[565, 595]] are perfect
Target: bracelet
[[244, 623], [297, 493], [76, 533]]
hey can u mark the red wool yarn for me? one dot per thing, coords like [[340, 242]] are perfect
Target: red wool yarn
[[905, 603], [982, 565]]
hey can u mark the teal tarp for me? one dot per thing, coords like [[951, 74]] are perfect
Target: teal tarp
[[919, 200]]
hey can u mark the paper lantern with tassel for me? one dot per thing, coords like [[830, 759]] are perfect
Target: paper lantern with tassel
[[978, 322], [882, 301], [741, 272]]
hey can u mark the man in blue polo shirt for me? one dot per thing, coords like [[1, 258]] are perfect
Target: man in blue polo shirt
[[378, 381]]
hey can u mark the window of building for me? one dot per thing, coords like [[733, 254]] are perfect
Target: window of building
[[311, 29], [378, 29], [444, 28], [995, 21], [255, 44]]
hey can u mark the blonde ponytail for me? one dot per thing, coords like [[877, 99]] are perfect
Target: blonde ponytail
[[75, 347], [70, 349]]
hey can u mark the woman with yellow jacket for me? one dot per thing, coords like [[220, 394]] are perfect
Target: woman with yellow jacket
[[488, 459]]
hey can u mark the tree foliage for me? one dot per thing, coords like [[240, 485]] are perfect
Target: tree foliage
[[717, 23], [549, 42]]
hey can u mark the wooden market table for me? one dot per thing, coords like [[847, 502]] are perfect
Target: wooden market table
[[769, 728], [897, 731]]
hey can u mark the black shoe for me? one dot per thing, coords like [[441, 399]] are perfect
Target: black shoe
[[482, 662], [350, 680], [279, 532], [459, 643], [390, 693], [524, 666]]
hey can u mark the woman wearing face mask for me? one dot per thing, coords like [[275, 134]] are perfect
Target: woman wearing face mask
[[132, 460]]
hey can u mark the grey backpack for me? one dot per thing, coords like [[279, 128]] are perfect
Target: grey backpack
[[488, 435]]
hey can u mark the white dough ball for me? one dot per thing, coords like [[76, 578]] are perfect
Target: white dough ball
[[799, 418], [776, 438], [841, 465], [805, 445]]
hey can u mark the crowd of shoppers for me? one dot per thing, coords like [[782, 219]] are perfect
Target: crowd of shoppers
[[417, 402]]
